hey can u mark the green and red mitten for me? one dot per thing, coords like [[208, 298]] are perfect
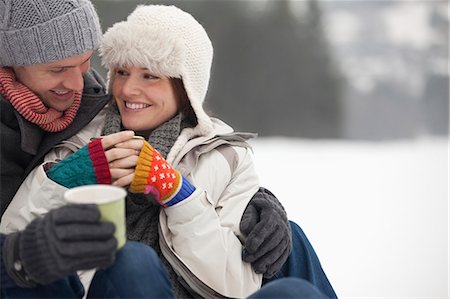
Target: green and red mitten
[[86, 166]]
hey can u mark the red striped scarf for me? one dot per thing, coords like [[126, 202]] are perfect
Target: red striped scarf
[[28, 104]]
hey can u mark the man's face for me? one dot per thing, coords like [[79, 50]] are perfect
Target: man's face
[[57, 82]]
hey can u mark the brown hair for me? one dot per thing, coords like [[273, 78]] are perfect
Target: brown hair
[[183, 101]]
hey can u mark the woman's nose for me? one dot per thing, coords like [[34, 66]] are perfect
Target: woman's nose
[[130, 87]]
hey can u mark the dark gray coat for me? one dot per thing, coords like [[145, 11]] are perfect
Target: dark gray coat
[[24, 145]]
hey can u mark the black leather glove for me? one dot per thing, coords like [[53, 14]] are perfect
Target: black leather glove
[[64, 241], [268, 233]]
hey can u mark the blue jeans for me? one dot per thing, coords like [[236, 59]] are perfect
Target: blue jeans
[[287, 288], [301, 276], [303, 263], [135, 263]]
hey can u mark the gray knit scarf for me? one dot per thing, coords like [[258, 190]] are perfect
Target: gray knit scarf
[[143, 212]]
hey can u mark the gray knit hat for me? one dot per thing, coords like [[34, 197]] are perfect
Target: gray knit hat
[[42, 31]]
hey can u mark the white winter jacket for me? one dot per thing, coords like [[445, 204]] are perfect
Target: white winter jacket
[[38, 194], [200, 236]]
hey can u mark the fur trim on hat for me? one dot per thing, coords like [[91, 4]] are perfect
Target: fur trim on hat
[[129, 43]]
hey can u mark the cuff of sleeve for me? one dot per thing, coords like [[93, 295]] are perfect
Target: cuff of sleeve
[[185, 191], [142, 169], [13, 264], [188, 209], [99, 162]]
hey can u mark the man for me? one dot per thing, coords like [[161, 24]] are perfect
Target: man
[[47, 92]]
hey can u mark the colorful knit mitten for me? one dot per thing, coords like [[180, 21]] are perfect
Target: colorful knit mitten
[[154, 175], [86, 166]]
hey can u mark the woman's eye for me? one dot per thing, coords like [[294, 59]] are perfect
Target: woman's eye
[[121, 72], [149, 76]]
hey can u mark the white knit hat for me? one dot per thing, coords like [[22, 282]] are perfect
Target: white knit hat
[[169, 42]]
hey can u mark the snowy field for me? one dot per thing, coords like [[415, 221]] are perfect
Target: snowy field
[[376, 213]]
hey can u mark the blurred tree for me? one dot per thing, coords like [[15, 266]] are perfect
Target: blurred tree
[[272, 72], [436, 94], [277, 77]]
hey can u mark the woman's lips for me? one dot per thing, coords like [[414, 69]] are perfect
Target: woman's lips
[[135, 106]]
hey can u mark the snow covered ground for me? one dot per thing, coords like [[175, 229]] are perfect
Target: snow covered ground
[[376, 213]]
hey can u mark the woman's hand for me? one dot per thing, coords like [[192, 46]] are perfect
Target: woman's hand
[[122, 152]]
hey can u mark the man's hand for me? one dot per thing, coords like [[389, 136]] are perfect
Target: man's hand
[[268, 234], [64, 241]]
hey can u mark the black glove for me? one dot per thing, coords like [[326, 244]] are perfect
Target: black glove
[[64, 241], [268, 233]]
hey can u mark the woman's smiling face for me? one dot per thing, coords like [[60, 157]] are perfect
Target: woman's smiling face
[[145, 101]]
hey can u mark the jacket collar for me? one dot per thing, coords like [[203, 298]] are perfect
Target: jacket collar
[[220, 131], [31, 136]]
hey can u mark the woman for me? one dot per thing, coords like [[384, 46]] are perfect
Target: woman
[[159, 64]]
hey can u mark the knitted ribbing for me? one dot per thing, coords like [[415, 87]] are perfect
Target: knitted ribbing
[[163, 137], [42, 31], [154, 175], [99, 161], [5, 278], [28, 104], [12, 276], [86, 166], [34, 238], [113, 123]]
